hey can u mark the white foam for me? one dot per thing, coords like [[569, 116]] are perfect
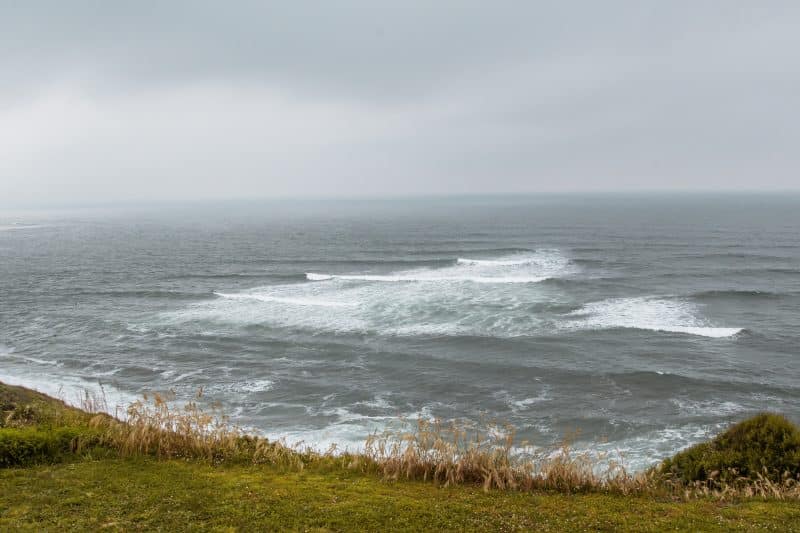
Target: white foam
[[259, 385], [278, 299], [345, 415], [317, 277], [233, 387], [9, 353], [349, 431], [458, 299], [647, 313], [707, 407], [464, 261], [643, 451], [531, 267], [501, 262], [378, 402], [106, 373], [516, 405], [527, 402], [34, 360], [38, 361], [425, 278], [434, 330], [185, 375], [343, 437]]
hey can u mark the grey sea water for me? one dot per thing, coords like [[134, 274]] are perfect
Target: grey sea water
[[646, 322]]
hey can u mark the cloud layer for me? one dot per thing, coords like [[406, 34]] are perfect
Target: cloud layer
[[102, 102]]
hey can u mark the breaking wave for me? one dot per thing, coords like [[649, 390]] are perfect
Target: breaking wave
[[493, 262], [439, 302], [530, 267], [425, 278], [494, 297], [283, 300], [648, 313]]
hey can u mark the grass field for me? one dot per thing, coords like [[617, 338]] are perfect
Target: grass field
[[94, 488], [143, 493]]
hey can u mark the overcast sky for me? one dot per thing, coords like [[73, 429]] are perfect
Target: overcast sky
[[139, 101]]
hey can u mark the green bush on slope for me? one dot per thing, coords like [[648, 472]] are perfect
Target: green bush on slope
[[766, 445], [35, 428], [24, 446]]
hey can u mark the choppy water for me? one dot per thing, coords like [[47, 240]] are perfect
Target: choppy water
[[645, 322]]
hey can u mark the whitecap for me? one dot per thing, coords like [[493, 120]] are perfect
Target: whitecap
[[492, 262], [185, 375], [10, 353], [647, 313], [527, 402], [425, 278], [460, 299], [377, 402], [246, 386], [707, 407], [519, 268], [259, 385], [642, 451], [281, 300]]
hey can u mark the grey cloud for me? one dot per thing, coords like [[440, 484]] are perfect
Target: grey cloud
[[107, 100], [378, 48]]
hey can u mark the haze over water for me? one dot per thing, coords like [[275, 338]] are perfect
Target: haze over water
[[647, 322]]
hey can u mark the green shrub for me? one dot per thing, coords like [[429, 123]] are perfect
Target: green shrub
[[767, 445], [23, 446], [36, 413], [20, 407]]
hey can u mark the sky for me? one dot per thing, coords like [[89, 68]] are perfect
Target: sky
[[164, 101]]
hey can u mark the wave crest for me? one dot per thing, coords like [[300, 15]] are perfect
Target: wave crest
[[283, 300], [648, 313], [311, 276]]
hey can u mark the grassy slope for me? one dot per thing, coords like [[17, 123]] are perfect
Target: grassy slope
[[174, 495], [141, 493]]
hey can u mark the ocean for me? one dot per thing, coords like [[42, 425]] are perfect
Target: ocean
[[643, 322]]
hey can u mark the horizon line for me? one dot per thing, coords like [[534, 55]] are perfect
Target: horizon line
[[156, 202]]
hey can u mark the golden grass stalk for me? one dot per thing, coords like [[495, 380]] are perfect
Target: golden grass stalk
[[152, 427], [483, 455]]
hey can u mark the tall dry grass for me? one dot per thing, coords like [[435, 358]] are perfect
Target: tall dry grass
[[489, 456], [485, 455], [151, 426]]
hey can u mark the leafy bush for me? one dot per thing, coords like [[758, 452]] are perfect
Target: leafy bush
[[36, 413], [766, 445], [23, 446]]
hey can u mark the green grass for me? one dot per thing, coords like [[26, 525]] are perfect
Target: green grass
[[74, 480], [143, 493], [31, 445]]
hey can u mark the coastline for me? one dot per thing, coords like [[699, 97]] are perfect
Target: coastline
[[96, 488]]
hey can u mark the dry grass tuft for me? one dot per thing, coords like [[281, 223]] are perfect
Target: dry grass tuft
[[444, 453], [457, 453], [452, 454], [152, 427]]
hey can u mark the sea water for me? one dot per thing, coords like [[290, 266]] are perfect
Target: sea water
[[645, 322]]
